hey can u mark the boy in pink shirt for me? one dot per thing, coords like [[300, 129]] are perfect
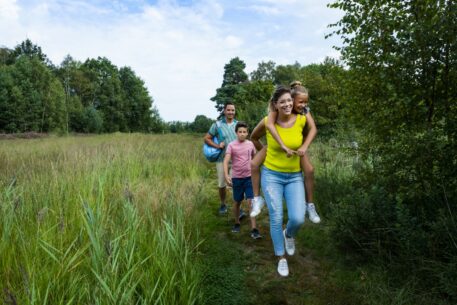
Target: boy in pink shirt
[[240, 152]]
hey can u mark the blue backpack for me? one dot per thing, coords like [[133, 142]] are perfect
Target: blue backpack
[[213, 153]]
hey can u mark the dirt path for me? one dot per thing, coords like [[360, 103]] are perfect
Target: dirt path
[[243, 271]]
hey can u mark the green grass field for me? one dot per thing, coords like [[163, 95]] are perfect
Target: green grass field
[[100, 219], [132, 219]]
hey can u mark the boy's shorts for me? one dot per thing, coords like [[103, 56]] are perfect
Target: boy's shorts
[[242, 187]]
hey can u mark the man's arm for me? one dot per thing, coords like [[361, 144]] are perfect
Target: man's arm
[[208, 138]]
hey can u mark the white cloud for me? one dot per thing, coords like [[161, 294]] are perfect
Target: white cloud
[[8, 9], [267, 10], [233, 41], [178, 50]]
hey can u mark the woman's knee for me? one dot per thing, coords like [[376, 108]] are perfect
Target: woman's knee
[[297, 220]]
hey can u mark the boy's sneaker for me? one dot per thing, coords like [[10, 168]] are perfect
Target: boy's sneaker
[[289, 243], [312, 214], [236, 228], [223, 209], [255, 234], [257, 205], [242, 214], [283, 268]]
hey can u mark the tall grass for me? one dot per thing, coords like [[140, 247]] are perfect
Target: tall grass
[[100, 220]]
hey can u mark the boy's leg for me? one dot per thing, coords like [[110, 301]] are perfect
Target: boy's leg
[[236, 212], [249, 195], [255, 234], [237, 190]]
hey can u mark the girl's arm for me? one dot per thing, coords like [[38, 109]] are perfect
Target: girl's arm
[[257, 133], [271, 119], [312, 131]]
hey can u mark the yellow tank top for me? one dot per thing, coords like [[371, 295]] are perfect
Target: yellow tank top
[[293, 138]]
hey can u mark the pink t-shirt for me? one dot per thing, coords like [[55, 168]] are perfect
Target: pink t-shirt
[[241, 154]]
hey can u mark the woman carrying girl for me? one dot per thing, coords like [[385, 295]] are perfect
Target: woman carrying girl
[[281, 175], [300, 96]]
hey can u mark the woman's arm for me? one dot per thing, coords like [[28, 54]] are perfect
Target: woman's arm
[[271, 119], [257, 133], [312, 131]]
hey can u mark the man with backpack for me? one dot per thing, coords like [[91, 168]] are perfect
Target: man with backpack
[[224, 131]]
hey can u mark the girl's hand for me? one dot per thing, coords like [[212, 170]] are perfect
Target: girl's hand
[[301, 151], [289, 152]]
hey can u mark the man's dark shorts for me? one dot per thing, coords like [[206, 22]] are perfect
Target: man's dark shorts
[[242, 188]]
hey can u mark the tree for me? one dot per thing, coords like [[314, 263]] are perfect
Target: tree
[[105, 93], [284, 75], [265, 71], [234, 75], [32, 99], [138, 103], [201, 124], [326, 85], [252, 101], [403, 70], [5, 56], [31, 50]]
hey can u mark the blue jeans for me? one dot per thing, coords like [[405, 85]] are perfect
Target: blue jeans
[[276, 186]]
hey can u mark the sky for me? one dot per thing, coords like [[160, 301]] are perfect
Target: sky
[[178, 48]]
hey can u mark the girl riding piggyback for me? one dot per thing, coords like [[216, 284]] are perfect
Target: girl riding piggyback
[[301, 97]]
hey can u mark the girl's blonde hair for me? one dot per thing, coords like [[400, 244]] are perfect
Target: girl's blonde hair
[[297, 88]]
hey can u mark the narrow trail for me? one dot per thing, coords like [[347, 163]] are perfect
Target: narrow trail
[[240, 270]]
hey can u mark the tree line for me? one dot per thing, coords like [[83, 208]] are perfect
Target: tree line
[[92, 97], [95, 96]]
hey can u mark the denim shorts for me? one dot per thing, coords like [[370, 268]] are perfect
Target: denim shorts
[[242, 187]]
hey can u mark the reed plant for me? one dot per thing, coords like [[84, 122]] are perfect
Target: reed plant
[[100, 219]]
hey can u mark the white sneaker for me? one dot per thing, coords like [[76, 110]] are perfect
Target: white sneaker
[[312, 214], [290, 243], [283, 268], [257, 205]]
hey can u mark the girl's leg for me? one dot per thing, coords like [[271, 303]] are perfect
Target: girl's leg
[[308, 169], [257, 201], [256, 162], [273, 189], [309, 187]]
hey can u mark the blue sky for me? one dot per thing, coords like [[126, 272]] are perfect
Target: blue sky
[[179, 48]]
